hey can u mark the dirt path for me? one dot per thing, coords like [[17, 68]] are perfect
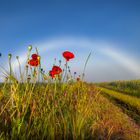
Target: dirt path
[[131, 125], [119, 122]]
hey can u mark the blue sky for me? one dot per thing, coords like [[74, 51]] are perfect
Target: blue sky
[[104, 27]]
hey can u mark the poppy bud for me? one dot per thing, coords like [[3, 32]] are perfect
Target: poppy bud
[[60, 61], [30, 47], [17, 57], [9, 55]]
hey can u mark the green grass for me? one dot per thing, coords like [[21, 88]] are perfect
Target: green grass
[[129, 103], [131, 87], [45, 111], [61, 111]]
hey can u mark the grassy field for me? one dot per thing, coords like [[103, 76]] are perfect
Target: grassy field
[[36, 105], [130, 104], [131, 87], [58, 111], [125, 94]]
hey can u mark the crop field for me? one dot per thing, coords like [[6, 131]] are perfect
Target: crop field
[[131, 87], [61, 105]]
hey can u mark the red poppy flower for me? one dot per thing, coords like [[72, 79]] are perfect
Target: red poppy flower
[[34, 56], [56, 69], [51, 73], [68, 55], [33, 62]]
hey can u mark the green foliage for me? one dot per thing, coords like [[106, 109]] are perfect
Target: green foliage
[[61, 110]]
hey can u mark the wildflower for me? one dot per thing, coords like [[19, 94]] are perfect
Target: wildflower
[[56, 69], [51, 73], [34, 56], [33, 62], [68, 55]]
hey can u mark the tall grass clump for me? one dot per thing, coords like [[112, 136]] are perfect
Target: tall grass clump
[[39, 105]]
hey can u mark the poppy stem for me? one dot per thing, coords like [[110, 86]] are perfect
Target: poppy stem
[[26, 73], [20, 69], [10, 66], [26, 68], [65, 71], [10, 69], [39, 69]]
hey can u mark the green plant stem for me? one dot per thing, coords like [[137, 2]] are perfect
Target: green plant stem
[[83, 74], [20, 70], [65, 71], [10, 69]]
